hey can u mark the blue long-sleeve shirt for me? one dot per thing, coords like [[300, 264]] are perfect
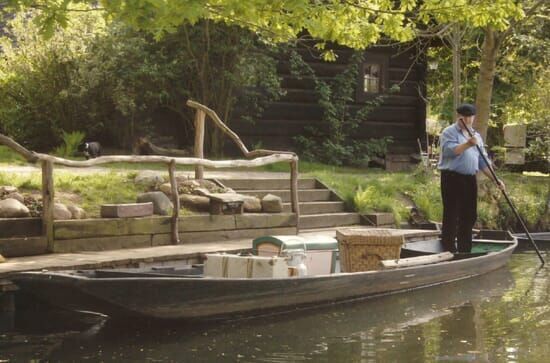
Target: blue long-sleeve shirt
[[467, 163]]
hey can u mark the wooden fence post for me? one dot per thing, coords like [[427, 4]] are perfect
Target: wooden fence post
[[199, 142], [294, 192], [47, 203], [175, 201]]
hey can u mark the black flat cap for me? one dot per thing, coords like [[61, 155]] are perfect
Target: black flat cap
[[466, 109]]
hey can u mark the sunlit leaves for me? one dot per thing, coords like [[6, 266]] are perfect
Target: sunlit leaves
[[354, 23]]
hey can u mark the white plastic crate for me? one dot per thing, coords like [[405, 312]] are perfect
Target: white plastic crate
[[235, 266]]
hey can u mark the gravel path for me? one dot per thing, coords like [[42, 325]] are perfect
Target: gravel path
[[23, 169]]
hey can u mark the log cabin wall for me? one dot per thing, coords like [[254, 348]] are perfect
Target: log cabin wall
[[401, 115]]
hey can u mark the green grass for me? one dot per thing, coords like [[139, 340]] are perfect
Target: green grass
[[375, 190], [8, 156], [364, 190], [368, 190], [91, 190]]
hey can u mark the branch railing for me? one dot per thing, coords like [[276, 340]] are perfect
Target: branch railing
[[261, 157], [200, 115]]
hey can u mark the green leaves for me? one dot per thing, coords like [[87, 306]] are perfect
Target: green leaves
[[356, 24]]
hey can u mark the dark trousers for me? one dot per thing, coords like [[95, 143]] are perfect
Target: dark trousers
[[459, 194]]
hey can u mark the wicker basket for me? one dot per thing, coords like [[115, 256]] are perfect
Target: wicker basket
[[362, 249]]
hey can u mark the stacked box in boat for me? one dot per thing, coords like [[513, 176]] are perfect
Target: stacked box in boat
[[362, 249], [236, 266], [321, 251]]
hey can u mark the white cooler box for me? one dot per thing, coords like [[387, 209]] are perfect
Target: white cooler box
[[321, 251], [235, 266]]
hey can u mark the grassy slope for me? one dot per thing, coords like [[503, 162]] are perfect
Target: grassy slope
[[364, 189], [377, 190]]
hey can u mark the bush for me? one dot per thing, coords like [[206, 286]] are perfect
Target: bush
[[71, 140], [111, 81]]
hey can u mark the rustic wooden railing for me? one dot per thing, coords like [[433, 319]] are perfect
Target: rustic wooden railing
[[262, 157]]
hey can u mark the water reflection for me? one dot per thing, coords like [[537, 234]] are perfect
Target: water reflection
[[499, 317]]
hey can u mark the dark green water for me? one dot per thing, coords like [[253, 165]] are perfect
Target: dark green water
[[503, 316]]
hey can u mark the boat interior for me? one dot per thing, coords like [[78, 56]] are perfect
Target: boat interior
[[412, 254]]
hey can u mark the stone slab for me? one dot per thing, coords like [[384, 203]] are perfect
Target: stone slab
[[262, 220], [515, 135], [126, 210], [514, 156], [266, 183], [379, 219]]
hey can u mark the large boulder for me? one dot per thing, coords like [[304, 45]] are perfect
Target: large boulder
[[7, 189], [252, 204], [161, 203], [272, 204], [12, 208], [166, 188], [149, 179], [195, 202], [76, 212], [61, 212], [16, 196]]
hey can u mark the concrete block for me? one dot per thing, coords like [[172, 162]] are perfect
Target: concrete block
[[126, 210], [515, 135], [514, 157]]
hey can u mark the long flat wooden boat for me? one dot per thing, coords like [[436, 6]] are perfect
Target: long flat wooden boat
[[542, 239], [186, 294]]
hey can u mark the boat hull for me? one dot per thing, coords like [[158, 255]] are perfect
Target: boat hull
[[218, 298]]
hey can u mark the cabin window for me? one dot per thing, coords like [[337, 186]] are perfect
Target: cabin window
[[373, 77]]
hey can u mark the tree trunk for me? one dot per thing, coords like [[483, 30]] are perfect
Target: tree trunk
[[487, 69], [457, 67]]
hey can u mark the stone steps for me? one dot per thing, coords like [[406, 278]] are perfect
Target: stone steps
[[319, 206], [267, 184], [329, 220], [305, 195]]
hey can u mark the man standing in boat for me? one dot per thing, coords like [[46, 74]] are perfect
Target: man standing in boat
[[459, 162]]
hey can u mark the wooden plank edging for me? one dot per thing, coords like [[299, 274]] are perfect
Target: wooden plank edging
[[112, 227]]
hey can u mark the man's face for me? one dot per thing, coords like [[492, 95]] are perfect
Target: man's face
[[468, 120]]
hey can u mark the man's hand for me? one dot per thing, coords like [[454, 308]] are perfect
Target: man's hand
[[472, 141], [501, 185]]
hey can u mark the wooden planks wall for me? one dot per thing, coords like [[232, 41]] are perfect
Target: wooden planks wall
[[402, 115], [117, 233]]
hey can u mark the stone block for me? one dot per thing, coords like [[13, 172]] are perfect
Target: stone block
[[514, 156], [161, 203], [514, 135], [272, 204], [126, 210], [380, 219]]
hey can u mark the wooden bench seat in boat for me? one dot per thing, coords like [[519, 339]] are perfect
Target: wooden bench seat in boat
[[416, 261]]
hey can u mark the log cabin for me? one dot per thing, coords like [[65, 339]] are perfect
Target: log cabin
[[401, 114]]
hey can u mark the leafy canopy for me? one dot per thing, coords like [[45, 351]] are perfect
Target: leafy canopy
[[353, 23]]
